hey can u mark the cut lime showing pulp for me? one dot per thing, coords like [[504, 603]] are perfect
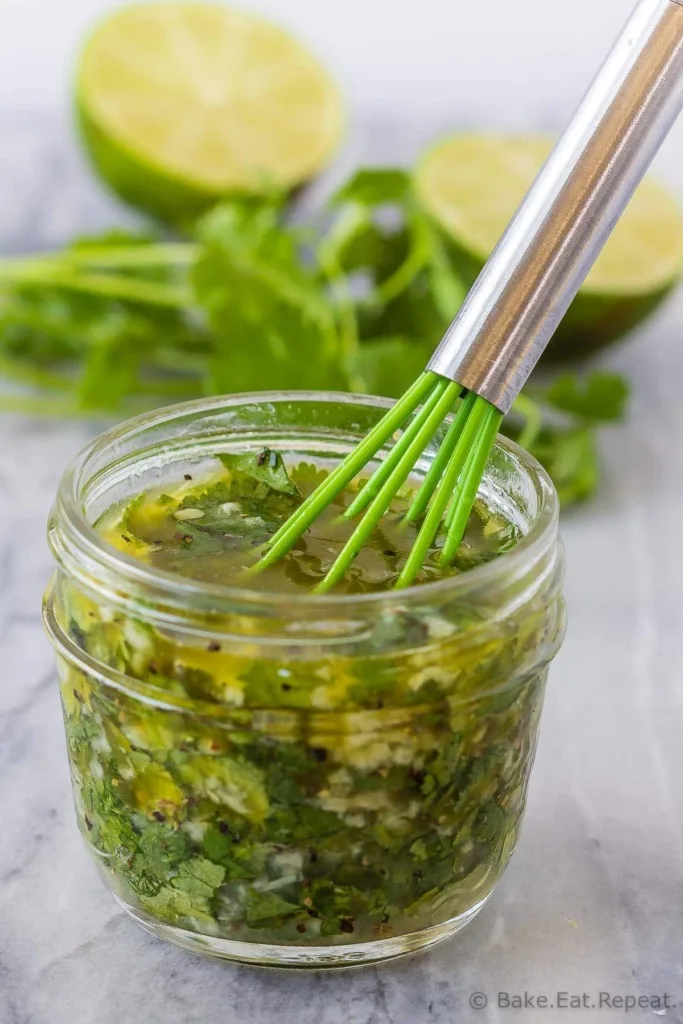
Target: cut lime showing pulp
[[183, 103], [471, 184]]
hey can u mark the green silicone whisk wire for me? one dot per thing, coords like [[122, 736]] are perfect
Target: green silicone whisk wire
[[454, 476]]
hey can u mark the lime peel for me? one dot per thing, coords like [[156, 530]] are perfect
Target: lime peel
[[472, 183], [183, 103]]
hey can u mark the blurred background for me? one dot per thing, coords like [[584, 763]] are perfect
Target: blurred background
[[421, 67], [512, 65]]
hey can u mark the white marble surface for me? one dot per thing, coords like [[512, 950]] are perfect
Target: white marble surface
[[593, 900]]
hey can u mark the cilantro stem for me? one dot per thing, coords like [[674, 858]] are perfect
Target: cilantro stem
[[60, 408], [177, 361], [346, 310], [288, 290], [169, 387], [171, 254], [532, 414], [103, 285], [418, 257], [33, 376], [44, 406]]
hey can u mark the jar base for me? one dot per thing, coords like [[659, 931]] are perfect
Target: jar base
[[311, 957]]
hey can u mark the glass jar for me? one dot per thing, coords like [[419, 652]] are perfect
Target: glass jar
[[296, 780]]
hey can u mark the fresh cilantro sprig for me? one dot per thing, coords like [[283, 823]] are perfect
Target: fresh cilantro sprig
[[354, 300], [558, 425]]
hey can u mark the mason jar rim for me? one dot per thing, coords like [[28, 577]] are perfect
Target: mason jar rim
[[71, 516]]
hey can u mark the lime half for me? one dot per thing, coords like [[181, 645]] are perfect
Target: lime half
[[471, 184], [183, 103]]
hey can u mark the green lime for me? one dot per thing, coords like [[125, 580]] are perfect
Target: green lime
[[183, 103], [471, 184]]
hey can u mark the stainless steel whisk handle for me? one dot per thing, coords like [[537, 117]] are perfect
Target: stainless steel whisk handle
[[559, 230]]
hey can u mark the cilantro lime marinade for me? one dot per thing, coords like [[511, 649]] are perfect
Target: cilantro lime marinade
[[333, 799], [211, 529]]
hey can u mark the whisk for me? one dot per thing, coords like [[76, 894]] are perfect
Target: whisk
[[515, 305]]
